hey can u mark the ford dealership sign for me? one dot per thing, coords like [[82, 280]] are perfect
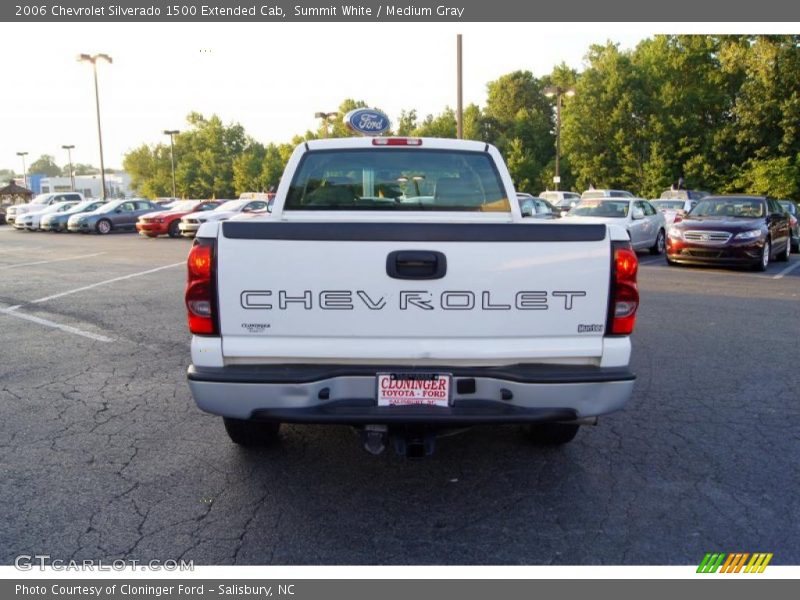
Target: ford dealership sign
[[367, 121]]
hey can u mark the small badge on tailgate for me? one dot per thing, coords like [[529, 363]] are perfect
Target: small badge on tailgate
[[408, 389], [255, 327]]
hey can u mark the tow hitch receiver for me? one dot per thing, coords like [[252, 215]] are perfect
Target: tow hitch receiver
[[413, 443]]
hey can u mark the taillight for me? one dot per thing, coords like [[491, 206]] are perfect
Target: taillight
[[395, 141], [624, 291], [200, 300]]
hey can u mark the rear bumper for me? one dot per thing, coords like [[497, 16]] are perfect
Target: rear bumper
[[345, 394]]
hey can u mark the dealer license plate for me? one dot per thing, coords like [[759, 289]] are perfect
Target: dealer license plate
[[410, 389]]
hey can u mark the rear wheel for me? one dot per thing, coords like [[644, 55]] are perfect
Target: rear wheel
[[103, 226], [251, 434], [551, 434], [173, 229], [659, 245]]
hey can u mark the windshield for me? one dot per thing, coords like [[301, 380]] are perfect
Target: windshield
[[589, 194], [184, 205], [617, 209], [108, 207], [86, 205], [232, 205], [397, 179], [788, 206], [747, 208], [668, 204], [675, 194], [40, 198]]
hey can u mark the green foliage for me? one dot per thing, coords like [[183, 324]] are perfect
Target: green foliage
[[45, 165]]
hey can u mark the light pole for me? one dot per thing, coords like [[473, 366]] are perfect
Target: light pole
[[459, 90], [24, 170], [558, 92], [325, 116], [71, 175], [93, 58], [172, 133]]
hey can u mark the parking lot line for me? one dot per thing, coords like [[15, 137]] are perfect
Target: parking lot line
[[651, 261], [44, 262], [788, 269], [54, 325], [93, 285]]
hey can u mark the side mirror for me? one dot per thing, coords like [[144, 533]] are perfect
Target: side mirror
[[637, 214], [119, 210], [526, 209]]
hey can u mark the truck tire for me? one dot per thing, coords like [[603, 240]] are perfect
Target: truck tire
[[551, 434], [251, 434]]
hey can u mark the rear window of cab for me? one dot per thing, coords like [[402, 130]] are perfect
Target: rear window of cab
[[397, 179]]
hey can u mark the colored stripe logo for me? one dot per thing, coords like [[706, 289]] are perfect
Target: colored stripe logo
[[734, 562]]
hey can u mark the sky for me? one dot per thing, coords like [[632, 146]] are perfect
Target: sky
[[271, 78]]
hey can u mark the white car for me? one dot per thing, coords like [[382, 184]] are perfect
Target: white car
[[673, 208], [32, 221], [593, 194], [191, 223], [563, 201], [646, 226], [40, 202]]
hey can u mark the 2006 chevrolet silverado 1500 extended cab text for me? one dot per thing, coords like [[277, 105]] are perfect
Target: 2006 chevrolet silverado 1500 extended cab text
[[396, 287]]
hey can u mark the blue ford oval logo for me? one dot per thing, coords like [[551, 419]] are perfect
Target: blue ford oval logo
[[367, 121]]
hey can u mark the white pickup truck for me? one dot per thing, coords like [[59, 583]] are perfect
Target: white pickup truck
[[40, 202], [396, 288]]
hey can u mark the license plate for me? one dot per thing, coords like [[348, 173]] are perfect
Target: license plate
[[413, 389]]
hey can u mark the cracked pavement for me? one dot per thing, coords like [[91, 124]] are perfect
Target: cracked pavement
[[103, 453]]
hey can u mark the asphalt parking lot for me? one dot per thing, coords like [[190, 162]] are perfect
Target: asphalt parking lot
[[104, 454]]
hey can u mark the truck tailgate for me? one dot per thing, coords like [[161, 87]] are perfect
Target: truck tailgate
[[412, 292]]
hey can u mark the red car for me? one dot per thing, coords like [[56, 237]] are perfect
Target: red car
[[166, 222]]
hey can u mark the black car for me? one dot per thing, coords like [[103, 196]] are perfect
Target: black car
[[731, 230], [790, 207]]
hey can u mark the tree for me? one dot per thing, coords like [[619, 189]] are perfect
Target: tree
[[45, 165], [519, 118], [407, 122]]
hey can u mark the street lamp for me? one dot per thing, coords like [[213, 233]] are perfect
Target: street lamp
[[24, 170], [325, 116], [93, 58], [71, 174], [558, 92], [172, 133]]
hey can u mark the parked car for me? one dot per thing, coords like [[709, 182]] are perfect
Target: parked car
[[191, 223], [166, 222], [563, 201], [673, 209], [794, 222], [731, 230], [680, 194], [645, 225], [536, 208], [58, 221], [40, 202], [593, 194], [31, 221], [117, 215], [2, 216]]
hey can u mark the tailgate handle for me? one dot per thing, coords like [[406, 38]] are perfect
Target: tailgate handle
[[416, 264]]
